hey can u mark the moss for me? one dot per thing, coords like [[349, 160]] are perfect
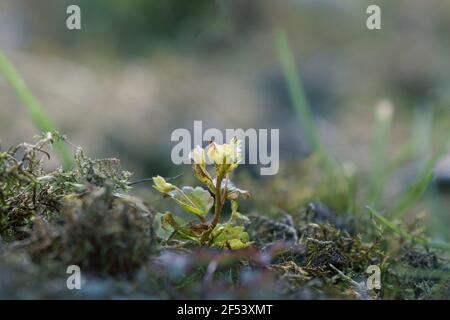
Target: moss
[[85, 216], [265, 231], [79, 216], [418, 274], [28, 191], [100, 232]]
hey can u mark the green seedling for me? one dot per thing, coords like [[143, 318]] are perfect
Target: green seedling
[[199, 201]]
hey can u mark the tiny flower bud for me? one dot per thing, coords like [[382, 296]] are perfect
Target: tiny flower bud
[[215, 153], [384, 110], [198, 155], [161, 185]]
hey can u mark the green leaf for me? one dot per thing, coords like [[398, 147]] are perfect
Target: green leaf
[[227, 236], [161, 230], [235, 215], [233, 192], [197, 200], [235, 244], [163, 226], [166, 225]]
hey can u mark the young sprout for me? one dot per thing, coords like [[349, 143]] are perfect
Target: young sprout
[[198, 201]]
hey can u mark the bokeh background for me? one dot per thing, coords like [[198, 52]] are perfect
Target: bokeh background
[[140, 69]]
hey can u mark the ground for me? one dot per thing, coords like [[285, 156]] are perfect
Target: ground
[[88, 216]]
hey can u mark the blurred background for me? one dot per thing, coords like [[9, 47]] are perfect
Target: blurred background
[[139, 69]]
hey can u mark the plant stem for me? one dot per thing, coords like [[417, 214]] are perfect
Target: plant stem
[[218, 204]]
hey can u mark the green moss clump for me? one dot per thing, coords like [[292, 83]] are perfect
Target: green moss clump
[[101, 232], [28, 190], [79, 216]]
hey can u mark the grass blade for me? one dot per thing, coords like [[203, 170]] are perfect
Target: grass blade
[[390, 225], [33, 107], [298, 97], [419, 186], [422, 132], [382, 126], [405, 235]]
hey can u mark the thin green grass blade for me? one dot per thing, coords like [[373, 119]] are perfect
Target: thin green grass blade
[[352, 190], [438, 218], [382, 126], [422, 132], [405, 235], [298, 97], [390, 225], [403, 155], [418, 148], [33, 107], [419, 186], [439, 245]]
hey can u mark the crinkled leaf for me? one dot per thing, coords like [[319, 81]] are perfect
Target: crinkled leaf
[[166, 225], [235, 215], [203, 175], [231, 237], [162, 231], [235, 244]]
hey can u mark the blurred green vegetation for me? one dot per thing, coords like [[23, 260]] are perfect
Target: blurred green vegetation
[[134, 26], [364, 118], [131, 28]]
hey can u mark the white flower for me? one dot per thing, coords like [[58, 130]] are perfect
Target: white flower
[[230, 153], [198, 155]]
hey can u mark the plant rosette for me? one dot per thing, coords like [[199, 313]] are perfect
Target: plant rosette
[[199, 201]]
